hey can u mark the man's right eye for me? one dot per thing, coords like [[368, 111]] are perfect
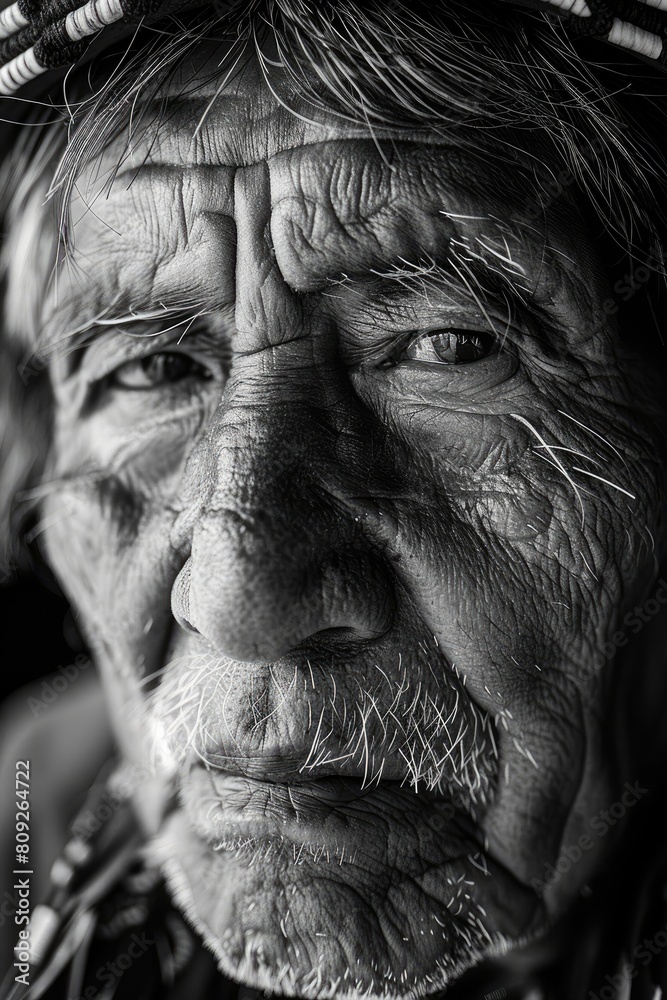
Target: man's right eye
[[157, 370]]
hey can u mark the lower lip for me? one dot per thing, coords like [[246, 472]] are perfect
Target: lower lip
[[225, 809]]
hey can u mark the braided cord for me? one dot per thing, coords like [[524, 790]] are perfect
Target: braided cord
[[639, 26]]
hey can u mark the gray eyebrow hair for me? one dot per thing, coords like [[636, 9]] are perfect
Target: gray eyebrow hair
[[184, 313], [481, 255], [484, 270], [482, 267]]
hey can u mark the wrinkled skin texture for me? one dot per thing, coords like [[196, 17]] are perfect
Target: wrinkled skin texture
[[348, 559]]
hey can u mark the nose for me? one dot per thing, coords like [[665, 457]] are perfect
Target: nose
[[278, 552], [274, 562]]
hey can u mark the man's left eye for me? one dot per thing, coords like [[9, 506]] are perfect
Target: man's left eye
[[451, 347], [157, 370]]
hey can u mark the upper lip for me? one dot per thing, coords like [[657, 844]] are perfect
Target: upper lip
[[449, 753], [293, 767]]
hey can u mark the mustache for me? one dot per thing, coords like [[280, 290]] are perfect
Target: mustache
[[410, 721]]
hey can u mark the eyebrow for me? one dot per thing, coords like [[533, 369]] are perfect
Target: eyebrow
[[184, 313], [484, 272], [464, 271], [481, 268]]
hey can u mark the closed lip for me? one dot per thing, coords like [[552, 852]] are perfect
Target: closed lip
[[289, 768], [226, 806]]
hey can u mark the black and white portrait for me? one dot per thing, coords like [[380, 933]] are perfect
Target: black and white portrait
[[332, 475]]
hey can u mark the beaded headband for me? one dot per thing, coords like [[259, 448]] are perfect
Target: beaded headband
[[38, 35]]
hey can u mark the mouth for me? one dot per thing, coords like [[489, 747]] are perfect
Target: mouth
[[371, 769], [317, 824], [332, 816]]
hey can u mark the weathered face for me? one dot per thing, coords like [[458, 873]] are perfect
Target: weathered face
[[352, 488]]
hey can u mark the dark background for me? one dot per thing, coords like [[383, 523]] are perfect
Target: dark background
[[39, 632]]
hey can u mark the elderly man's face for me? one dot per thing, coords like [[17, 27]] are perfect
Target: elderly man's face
[[349, 497]]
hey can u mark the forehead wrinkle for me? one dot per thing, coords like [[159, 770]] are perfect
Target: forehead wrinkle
[[440, 158], [150, 165], [416, 169], [245, 125], [367, 220], [434, 196], [198, 189], [152, 241]]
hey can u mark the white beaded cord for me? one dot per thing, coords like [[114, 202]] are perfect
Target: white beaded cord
[[629, 36], [578, 7], [91, 17], [12, 21], [17, 72]]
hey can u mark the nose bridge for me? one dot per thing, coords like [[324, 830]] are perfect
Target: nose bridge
[[287, 407], [289, 449], [275, 557], [263, 448]]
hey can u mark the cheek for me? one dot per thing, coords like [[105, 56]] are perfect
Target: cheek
[[520, 594], [107, 531], [541, 500], [515, 514], [111, 554], [144, 446]]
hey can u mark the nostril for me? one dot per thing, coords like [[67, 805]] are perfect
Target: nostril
[[335, 641], [185, 625], [180, 598], [257, 595]]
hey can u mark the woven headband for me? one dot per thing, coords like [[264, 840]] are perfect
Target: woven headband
[[37, 35]]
